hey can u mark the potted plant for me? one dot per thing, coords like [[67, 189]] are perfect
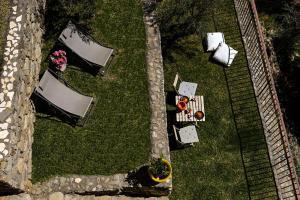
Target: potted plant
[[160, 170], [59, 59]]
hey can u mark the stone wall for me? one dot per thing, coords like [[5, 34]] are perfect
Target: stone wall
[[19, 73]]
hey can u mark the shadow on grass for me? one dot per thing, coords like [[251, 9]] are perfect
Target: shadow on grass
[[45, 111], [171, 120], [253, 146], [60, 12], [140, 177]]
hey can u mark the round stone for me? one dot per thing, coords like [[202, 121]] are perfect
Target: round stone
[[18, 19], [5, 152], [2, 146], [8, 120], [10, 95], [12, 25], [56, 196], [10, 86], [3, 134], [3, 125], [77, 180], [8, 105]]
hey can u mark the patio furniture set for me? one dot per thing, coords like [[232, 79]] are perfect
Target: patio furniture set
[[190, 106], [57, 92]]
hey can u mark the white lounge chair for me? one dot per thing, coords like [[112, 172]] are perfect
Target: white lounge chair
[[61, 96], [85, 46]]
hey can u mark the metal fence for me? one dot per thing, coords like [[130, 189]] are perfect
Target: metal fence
[[269, 107]]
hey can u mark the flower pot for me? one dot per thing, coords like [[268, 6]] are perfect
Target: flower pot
[[62, 67], [185, 99], [181, 105], [159, 178]]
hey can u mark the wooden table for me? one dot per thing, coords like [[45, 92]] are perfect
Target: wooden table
[[196, 105]]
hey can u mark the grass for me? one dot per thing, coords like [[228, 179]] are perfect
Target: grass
[[4, 14], [115, 138], [213, 168], [231, 160]]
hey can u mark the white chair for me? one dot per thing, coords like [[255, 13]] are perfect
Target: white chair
[[185, 88], [185, 136]]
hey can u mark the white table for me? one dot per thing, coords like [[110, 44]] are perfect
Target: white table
[[197, 105], [188, 134]]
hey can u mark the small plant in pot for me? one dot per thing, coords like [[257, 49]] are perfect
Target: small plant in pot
[[160, 170]]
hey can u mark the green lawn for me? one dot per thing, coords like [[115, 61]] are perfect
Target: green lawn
[[4, 14], [116, 136], [213, 168], [231, 159]]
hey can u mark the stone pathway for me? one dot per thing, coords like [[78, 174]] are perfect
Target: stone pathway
[[159, 135], [7, 94]]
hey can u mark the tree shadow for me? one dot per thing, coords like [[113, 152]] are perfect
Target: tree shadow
[[60, 12], [57, 16], [253, 146], [177, 21]]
